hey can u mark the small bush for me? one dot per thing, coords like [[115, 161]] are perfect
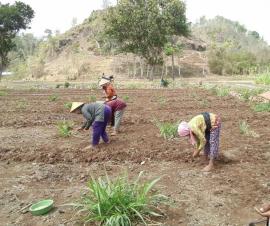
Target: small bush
[[67, 84], [262, 107], [93, 98], [119, 202], [245, 129], [263, 79], [246, 94], [126, 98], [57, 86], [64, 128], [164, 83], [68, 105], [220, 91], [53, 98], [167, 130]]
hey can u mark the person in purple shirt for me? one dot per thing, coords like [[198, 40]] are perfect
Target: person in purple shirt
[[118, 107]]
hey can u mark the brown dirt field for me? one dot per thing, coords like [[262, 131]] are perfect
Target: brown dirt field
[[37, 163]]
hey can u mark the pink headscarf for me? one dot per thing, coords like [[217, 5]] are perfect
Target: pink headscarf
[[184, 130]]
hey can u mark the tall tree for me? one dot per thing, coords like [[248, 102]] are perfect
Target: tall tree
[[144, 27], [12, 19]]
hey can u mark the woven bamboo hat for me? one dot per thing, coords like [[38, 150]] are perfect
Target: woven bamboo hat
[[75, 105]]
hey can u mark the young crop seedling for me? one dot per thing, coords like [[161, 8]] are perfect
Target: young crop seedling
[[64, 128], [120, 202], [68, 105], [245, 129], [126, 98], [53, 98], [220, 91], [167, 130]]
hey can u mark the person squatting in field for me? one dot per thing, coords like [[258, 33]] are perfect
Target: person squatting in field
[[108, 88], [203, 131], [118, 107], [97, 115]]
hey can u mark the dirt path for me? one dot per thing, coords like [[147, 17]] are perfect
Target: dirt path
[[36, 163]]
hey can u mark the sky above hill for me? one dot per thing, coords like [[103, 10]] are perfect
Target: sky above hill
[[58, 14]]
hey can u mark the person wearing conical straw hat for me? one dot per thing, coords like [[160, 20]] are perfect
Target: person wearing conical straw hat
[[203, 131], [108, 89], [97, 115]]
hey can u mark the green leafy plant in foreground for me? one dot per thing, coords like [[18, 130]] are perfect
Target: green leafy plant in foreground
[[119, 202], [167, 130], [64, 128]]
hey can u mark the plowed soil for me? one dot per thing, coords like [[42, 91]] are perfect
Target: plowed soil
[[37, 163]]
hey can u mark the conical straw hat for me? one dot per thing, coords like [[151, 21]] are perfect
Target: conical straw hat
[[75, 105]]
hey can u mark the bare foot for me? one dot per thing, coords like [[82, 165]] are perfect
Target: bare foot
[[265, 207], [90, 147], [208, 168], [113, 133]]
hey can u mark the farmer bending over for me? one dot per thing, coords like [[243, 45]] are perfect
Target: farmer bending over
[[108, 89], [118, 107], [96, 114], [203, 131]]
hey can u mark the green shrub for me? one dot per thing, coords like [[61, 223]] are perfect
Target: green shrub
[[262, 107], [53, 97], [64, 128], [220, 91], [167, 130], [246, 94], [263, 79], [57, 86], [119, 202], [67, 84]]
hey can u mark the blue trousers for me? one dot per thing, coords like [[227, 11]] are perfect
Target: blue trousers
[[99, 128]]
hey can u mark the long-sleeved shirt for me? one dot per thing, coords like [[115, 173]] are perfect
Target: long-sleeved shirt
[[92, 112], [109, 91], [198, 127], [116, 105]]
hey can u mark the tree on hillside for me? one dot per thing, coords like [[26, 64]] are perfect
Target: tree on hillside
[[144, 27], [12, 19]]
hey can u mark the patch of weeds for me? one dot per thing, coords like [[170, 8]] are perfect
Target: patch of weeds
[[58, 86], [262, 107], [68, 105], [120, 202], [245, 129], [162, 101], [3, 93], [21, 104], [92, 98], [167, 130], [164, 83], [64, 128], [66, 84], [205, 103], [247, 94], [263, 79], [220, 91], [126, 98], [53, 98]]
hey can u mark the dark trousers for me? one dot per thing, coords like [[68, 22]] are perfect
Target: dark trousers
[[99, 128]]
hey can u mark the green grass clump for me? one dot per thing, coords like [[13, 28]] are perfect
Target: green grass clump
[[66, 84], [119, 202], [167, 130], [57, 86], [262, 107], [92, 98], [64, 128], [220, 91], [246, 94], [126, 98], [53, 98], [3, 93], [263, 79], [245, 129], [68, 105]]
